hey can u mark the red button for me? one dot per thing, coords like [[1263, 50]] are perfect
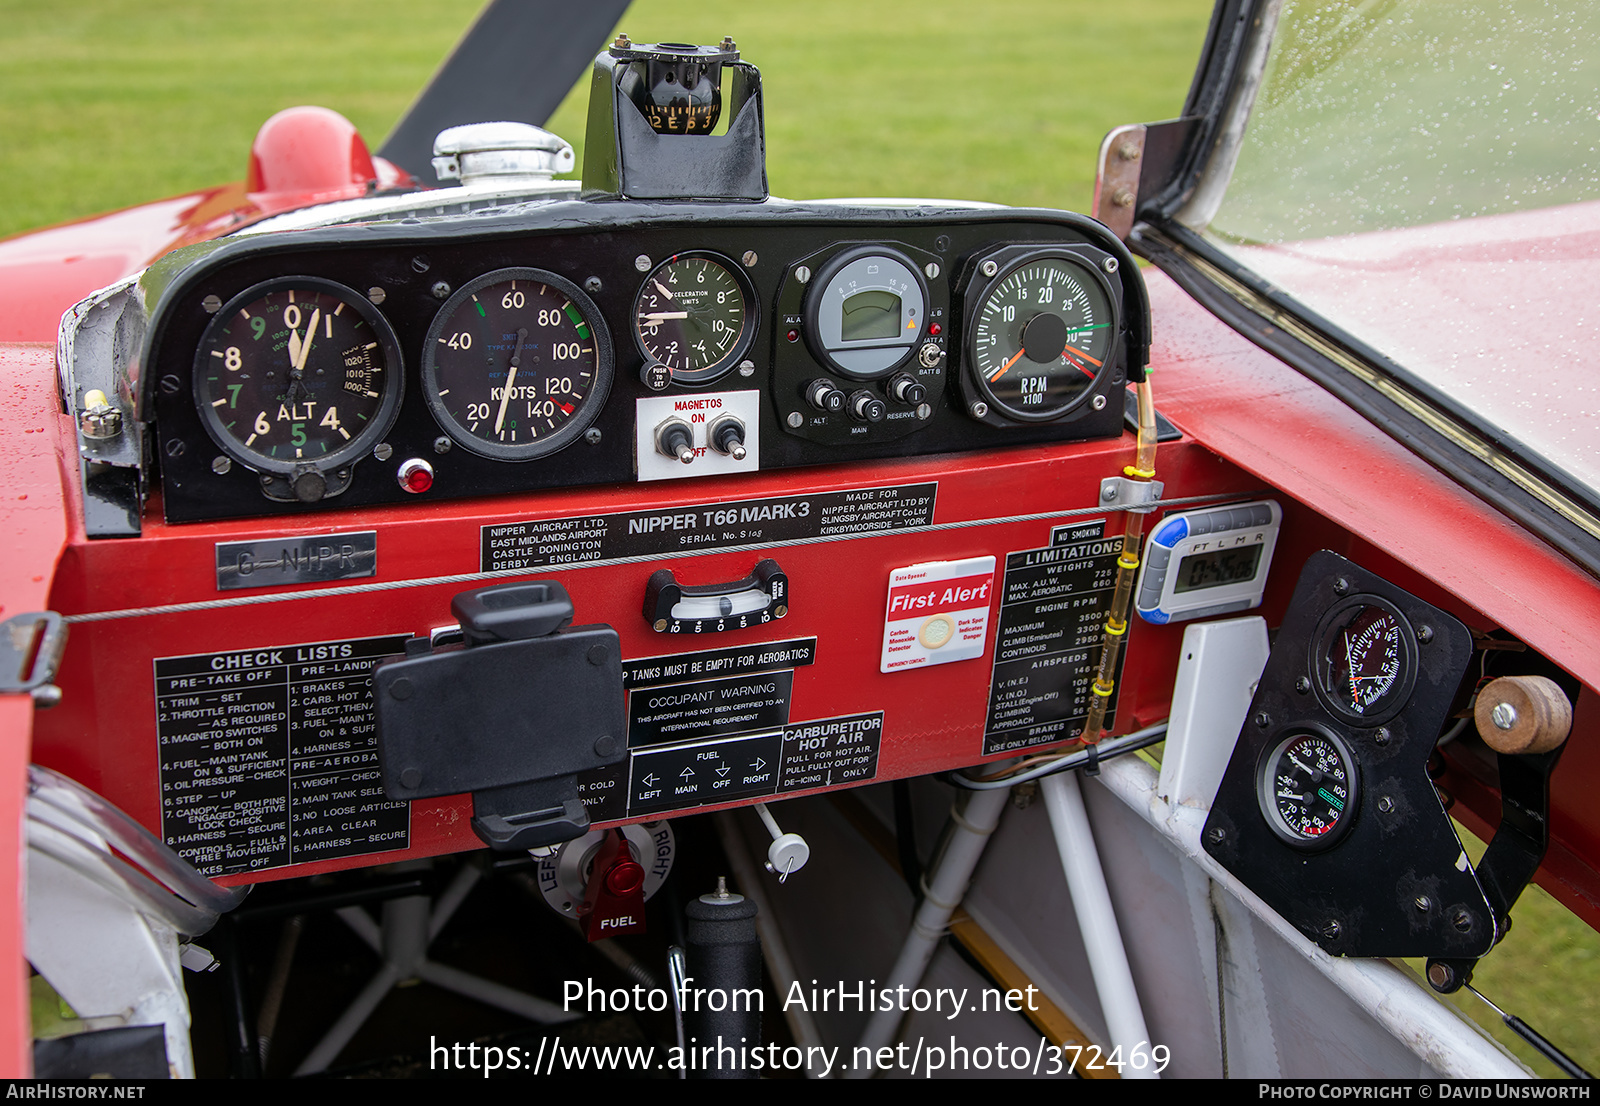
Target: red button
[[936, 330]]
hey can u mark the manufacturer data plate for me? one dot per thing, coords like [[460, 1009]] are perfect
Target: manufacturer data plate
[[1053, 605], [269, 756], [536, 543]]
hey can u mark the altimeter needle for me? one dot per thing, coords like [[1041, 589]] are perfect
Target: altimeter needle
[[511, 379]]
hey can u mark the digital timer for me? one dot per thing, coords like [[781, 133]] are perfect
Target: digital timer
[[1207, 562]]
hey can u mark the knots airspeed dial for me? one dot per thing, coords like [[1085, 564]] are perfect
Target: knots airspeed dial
[[517, 364], [1040, 335]]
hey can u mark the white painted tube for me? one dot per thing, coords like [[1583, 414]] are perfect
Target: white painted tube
[[1097, 922], [945, 887]]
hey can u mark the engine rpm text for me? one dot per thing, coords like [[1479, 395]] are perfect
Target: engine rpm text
[[517, 364]]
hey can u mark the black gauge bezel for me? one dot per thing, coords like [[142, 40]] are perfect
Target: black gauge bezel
[[817, 288], [359, 445], [978, 290], [1266, 794], [1393, 701], [741, 346], [588, 410]]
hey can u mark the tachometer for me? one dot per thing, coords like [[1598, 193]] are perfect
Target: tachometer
[[297, 377], [1040, 334], [517, 364], [695, 315]]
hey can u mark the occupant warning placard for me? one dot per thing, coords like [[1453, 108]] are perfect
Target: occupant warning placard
[[1053, 605], [937, 613], [269, 756]]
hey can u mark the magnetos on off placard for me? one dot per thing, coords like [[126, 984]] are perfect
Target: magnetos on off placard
[[937, 612]]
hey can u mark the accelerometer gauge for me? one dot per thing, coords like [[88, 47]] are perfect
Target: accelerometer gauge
[[695, 315], [865, 311], [1364, 659], [1307, 787], [297, 377], [517, 364], [1040, 334]]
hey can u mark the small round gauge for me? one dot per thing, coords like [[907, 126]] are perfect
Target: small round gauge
[[865, 311], [297, 373], [1364, 659], [695, 315], [1040, 335], [517, 364], [1307, 787]]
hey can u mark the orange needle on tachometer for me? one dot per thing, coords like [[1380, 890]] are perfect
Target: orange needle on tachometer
[[1002, 370]]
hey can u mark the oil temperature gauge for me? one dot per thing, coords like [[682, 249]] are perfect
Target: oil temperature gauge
[[1307, 787]]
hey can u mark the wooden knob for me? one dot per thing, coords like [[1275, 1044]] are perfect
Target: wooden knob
[[1523, 714]]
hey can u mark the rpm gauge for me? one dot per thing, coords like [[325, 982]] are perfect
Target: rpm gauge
[[695, 315], [1306, 787], [1040, 335], [517, 364], [1364, 658], [296, 377]]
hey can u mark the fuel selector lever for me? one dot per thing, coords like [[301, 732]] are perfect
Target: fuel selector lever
[[511, 714]]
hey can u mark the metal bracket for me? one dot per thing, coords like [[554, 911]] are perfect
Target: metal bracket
[[1139, 496], [1116, 184], [30, 651]]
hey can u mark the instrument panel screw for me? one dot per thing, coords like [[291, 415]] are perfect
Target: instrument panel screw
[[1461, 920], [780, 611], [749, 258], [796, 420], [211, 304], [979, 409], [440, 289], [221, 465], [747, 367], [1263, 719], [419, 264], [1303, 685], [441, 444], [1098, 403], [376, 295], [1340, 585], [266, 480], [1423, 904], [170, 384], [1109, 264], [592, 284], [1504, 715], [1216, 835], [1386, 805], [1109, 492], [659, 626], [802, 273], [1424, 634], [1331, 930], [175, 447], [1128, 152], [592, 435], [942, 243], [382, 451], [642, 263], [1381, 736], [932, 269], [924, 410], [989, 268]]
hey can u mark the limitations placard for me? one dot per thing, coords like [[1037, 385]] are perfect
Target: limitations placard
[[269, 756], [537, 543], [1053, 605]]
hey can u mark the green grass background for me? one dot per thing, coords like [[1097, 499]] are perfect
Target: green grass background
[[108, 103]]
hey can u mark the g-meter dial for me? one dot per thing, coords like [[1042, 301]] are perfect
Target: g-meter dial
[[694, 314], [517, 364], [297, 377], [1039, 334]]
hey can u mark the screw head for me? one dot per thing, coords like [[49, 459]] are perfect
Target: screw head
[[1340, 585], [1331, 929], [1504, 715], [979, 409], [802, 273], [795, 420], [659, 626], [1440, 976], [1462, 921], [1108, 493], [747, 367], [1303, 685], [989, 268], [1216, 835], [170, 384], [1424, 634], [780, 611], [1423, 904], [1263, 719], [1109, 265], [1381, 736], [1386, 805], [1098, 403], [442, 444], [642, 263], [175, 447], [932, 269], [419, 264], [221, 465], [749, 258], [382, 451], [1128, 152], [592, 435], [924, 411], [211, 304], [376, 295], [592, 284], [440, 289], [942, 243]]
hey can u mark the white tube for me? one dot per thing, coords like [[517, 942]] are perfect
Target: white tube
[[945, 887], [1097, 922]]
